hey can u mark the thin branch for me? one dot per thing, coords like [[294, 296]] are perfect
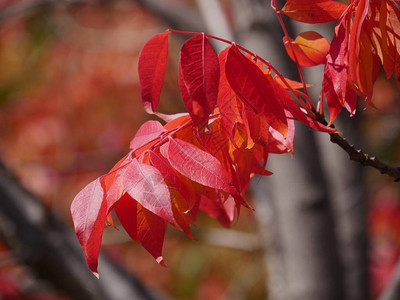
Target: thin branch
[[359, 155], [364, 159]]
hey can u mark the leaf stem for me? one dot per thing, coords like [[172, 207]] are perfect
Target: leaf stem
[[274, 6], [308, 105]]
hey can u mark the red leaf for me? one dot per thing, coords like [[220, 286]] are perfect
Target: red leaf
[[331, 96], [335, 84], [198, 165], [142, 226], [89, 211], [254, 89], [177, 122], [295, 112], [146, 185], [224, 212], [151, 68], [198, 78], [181, 212], [309, 47], [148, 132], [278, 144], [309, 11], [292, 83], [229, 105], [248, 164], [175, 180]]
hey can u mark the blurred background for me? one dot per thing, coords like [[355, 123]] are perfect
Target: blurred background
[[69, 106]]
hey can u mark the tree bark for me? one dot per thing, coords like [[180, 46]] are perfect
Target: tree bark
[[346, 187]]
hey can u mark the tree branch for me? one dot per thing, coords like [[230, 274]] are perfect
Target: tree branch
[[364, 158], [45, 244]]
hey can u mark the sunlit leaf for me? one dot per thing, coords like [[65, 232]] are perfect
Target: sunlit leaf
[[198, 165], [146, 185], [89, 211], [309, 48], [149, 131], [198, 78], [151, 68], [319, 11], [253, 88]]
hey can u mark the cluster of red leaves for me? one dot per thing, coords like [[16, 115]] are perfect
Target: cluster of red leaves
[[240, 109], [367, 37], [238, 114]]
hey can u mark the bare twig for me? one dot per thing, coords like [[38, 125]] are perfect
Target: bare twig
[[360, 156], [363, 158]]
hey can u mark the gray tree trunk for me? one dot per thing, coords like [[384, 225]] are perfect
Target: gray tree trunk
[[347, 191], [311, 210]]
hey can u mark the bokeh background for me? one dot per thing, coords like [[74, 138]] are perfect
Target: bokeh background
[[69, 106]]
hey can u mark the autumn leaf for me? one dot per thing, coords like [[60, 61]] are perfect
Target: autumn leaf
[[146, 185], [353, 64], [292, 83], [228, 105], [199, 78], [335, 84], [253, 88], [238, 114], [151, 68], [175, 180], [89, 211], [309, 11], [197, 165], [148, 132], [142, 225], [218, 209], [293, 111], [309, 48]]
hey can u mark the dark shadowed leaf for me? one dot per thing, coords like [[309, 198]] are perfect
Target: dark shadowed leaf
[[142, 225]]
